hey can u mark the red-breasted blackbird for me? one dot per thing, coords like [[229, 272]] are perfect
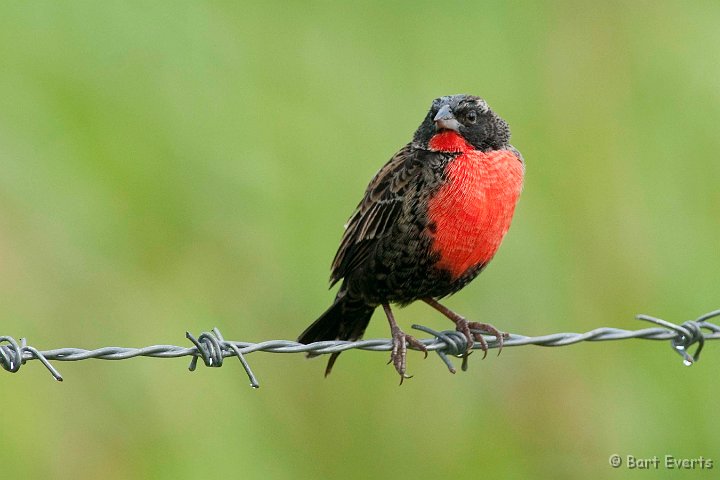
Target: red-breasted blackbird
[[430, 221]]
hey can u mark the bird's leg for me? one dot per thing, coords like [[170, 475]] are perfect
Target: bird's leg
[[464, 327], [400, 341]]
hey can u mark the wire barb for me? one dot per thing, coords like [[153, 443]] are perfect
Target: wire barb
[[14, 355], [455, 344], [213, 348], [687, 334]]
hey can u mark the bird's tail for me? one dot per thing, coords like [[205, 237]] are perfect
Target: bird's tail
[[346, 319]]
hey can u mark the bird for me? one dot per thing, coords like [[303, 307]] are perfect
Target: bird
[[430, 221]]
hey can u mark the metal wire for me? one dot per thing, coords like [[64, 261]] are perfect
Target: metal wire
[[212, 348]]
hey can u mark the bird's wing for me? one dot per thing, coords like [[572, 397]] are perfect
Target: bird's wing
[[377, 211]]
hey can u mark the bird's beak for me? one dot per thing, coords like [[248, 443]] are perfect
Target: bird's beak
[[445, 120]]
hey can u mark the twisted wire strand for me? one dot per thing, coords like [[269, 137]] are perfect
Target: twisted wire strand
[[212, 348]]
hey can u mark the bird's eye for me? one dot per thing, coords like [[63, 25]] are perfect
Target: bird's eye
[[471, 116]]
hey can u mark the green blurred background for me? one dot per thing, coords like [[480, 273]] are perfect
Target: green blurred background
[[173, 166]]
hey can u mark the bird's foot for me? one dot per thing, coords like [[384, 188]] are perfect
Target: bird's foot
[[465, 327], [400, 342]]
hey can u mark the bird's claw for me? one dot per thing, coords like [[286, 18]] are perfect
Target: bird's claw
[[398, 355], [465, 327]]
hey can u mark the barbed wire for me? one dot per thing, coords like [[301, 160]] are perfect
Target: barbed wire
[[213, 349]]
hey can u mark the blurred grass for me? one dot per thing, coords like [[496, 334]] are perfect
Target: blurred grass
[[174, 166]]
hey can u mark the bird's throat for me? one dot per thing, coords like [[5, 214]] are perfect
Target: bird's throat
[[449, 141]]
